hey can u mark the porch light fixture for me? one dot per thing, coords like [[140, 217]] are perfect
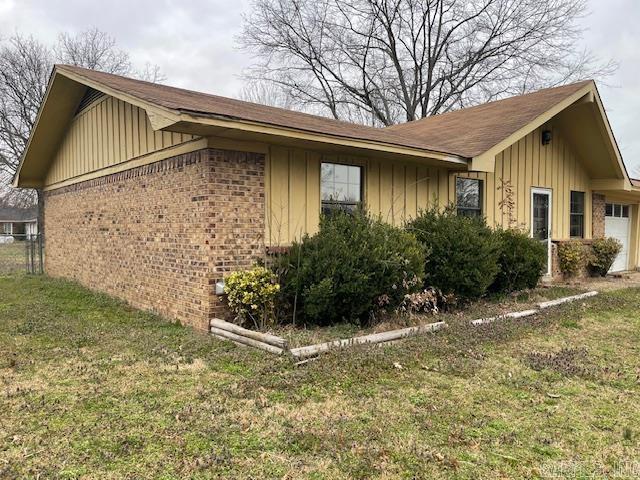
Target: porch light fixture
[[546, 137]]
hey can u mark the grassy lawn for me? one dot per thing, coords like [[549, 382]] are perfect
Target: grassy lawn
[[12, 257], [90, 388]]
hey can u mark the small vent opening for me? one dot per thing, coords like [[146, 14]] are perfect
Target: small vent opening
[[89, 97]]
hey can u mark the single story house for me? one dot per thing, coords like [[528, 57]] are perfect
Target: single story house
[[154, 193], [18, 223]]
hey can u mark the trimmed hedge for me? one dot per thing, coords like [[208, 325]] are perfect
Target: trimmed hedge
[[463, 252], [352, 268], [521, 263]]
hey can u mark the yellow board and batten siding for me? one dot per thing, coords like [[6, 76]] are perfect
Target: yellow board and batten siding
[[393, 190], [106, 133], [528, 164], [397, 190], [110, 133]]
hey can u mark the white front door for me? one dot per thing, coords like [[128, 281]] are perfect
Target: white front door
[[616, 225], [541, 219]]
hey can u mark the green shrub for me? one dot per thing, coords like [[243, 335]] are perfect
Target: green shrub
[[603, 253], [463, 252], [572, 257], [352, 268], [521, 263], [251, 296]]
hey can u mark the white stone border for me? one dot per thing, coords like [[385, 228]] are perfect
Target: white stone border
[[573, 298], [525, 313], [273, 344]]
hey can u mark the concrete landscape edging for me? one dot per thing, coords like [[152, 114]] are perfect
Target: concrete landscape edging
[[273, 344]]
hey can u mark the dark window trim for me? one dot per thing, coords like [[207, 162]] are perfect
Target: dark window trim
[[575, 215], [327, 205], [471, 211]]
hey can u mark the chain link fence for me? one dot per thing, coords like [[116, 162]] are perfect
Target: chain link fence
[[21, 254]]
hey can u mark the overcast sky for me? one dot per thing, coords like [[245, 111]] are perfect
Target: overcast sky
[[193, 42]]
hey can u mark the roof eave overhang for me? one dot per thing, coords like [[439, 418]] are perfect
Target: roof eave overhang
[[162, 118], [279, 132], [618, 182], [485, 162], [611, 184], [16, 181]]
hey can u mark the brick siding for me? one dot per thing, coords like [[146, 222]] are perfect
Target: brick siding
[[598, 210], [160, 236]]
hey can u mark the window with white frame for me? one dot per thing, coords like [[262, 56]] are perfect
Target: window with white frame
[[616, 210]]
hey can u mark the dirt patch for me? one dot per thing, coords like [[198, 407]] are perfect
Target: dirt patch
[[610, 282]]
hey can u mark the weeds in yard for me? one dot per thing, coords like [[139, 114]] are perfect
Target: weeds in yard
[[568, 361], [573, 362]]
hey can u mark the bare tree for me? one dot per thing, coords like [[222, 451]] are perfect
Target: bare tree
[[25, 66], [266, 94], [387, 61], [97, 50], [92, 49]]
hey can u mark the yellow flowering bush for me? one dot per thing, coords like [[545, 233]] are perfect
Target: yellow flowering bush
[[251, 295], [572, 257]]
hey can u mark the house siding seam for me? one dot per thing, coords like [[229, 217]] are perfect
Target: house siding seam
[[160, 236]]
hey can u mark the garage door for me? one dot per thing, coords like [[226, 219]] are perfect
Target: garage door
[[617, 226]]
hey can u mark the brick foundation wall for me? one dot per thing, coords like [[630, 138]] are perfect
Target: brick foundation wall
[[161, 235], [598, 212]]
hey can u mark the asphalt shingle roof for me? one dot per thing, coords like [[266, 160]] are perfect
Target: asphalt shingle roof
[[467, 132], [474, 130], [15, 214]]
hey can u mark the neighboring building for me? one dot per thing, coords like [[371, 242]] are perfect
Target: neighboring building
[[154, 193], [18, 223]]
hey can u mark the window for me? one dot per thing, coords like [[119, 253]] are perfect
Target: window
[[340, 186], [609, 210], [616, 210], [469, 197], [576, 224]]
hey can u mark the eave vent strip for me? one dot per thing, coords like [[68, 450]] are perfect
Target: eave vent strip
[[89, 97]]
